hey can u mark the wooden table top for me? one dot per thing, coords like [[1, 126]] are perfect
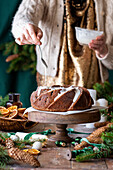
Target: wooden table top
[[53, 157]]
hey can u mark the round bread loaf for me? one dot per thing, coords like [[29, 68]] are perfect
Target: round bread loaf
[[61, 98]]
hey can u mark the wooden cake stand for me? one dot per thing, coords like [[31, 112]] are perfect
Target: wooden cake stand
[[62, 121]]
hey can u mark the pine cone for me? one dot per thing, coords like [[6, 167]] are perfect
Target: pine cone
[[9, 143], [24, 157], [100, 124], [94, 137], [12, 57]]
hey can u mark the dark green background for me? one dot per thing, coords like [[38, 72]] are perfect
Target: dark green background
[[21, 82]]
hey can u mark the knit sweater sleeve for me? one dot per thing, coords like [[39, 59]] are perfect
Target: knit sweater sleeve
[[108, 61], [29, 11]]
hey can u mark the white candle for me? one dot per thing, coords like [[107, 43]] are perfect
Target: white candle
[[103, 102]]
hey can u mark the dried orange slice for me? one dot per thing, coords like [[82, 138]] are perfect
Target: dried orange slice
[[11, 108], [13, 114], [4, 111], [32, 151], [21, 110], [2, 107]]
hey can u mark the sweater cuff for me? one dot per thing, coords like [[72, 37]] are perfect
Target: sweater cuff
[[102, 58]]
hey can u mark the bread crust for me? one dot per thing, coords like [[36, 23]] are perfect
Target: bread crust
[[61, 99]]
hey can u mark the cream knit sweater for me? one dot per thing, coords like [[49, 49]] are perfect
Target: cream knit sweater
[[48, 15]]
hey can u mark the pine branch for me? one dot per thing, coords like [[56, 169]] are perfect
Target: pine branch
[[4, 135], [108, 87], [107, 113], [85, 156], [22, 143], [107, 138], [4, 157], [103, 153], [3, 100], [100, 90], [104, 91], [20, 57]]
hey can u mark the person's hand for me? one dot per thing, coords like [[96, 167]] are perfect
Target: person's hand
[[99, 46], [30, 35]]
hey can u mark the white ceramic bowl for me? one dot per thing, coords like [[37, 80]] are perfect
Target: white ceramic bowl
[[84, 36]]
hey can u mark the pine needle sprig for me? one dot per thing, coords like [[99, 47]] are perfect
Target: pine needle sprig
[[103, 154], [107, 138], [4, 157], [108, 87], [22, 143], [2, 138], [3, 100], [88, 155], [110, 127], [100, 90], [104, 90], [107, 113], [21, 57], [4, 135], [85, 156], [8, 47]]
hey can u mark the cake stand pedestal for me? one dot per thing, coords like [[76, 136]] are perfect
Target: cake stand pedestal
[[62, 121]]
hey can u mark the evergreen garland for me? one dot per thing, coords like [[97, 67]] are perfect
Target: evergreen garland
[[20, 57]]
